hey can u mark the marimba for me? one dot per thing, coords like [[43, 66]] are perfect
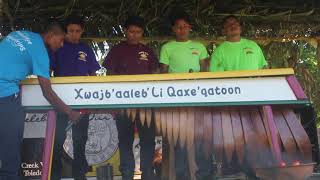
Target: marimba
[[253, 116]]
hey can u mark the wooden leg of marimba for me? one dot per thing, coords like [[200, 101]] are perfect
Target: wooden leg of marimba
[[133, 114], [217, 138], [175, 124], [182, 126], [163, 117], [198, 128], [190, 144], [208, 132], [157, 118], [289, 153], [238, 134], [228, 138], [273, 135], [169, 119], [299, 134], [128, 112], [148, 116], [262, 138], [169, 126], [142, 113], [251, 141]]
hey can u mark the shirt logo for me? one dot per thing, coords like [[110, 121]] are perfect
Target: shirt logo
[[248, 50], [194, 51], [82, 56], [17, 40], [143, 56]]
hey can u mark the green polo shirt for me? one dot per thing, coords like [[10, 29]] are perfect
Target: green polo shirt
[[183, 57], [242, 55]]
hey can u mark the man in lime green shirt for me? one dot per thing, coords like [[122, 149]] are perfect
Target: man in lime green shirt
[[182, 56], [236, 53]]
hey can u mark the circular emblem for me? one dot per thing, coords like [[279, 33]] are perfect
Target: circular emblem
[[102, 140]]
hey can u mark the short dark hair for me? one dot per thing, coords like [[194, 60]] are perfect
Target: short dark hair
[[224, 20], [74, 19], [54, 27], [180, 15], [136, 21]]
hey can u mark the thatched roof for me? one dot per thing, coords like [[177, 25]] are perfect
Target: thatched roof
[[267, 18]]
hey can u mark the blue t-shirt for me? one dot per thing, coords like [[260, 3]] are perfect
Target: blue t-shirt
[[73, 60], [22, 53]]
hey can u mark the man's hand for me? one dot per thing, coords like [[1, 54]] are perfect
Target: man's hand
[[204, 65], [164, 68], [56, 102]]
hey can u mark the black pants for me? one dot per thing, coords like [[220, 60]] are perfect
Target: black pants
[[11, 136], [147, 146], [181, 163], [79, 138], [205, 166]]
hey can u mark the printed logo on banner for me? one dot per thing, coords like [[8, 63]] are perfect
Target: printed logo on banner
[[102, 140]]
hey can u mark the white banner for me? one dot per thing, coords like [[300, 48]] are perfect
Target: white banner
[[155, 92], [35, 125]]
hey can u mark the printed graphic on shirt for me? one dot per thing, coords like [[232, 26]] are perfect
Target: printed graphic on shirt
[[82, 56], [143, 55], [195, 51], [24, 37], [248, 50], [16, 41]]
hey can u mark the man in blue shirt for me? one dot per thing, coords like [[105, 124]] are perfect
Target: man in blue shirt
[[24, 53], [73, 59]]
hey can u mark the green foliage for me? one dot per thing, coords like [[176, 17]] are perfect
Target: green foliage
[[301, 56]]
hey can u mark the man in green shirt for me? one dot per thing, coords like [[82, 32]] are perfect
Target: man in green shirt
[[236, 53], [182, 56]]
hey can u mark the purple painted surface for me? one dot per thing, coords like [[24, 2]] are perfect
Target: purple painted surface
[[267, 111], [48, 142], [296, 88]]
